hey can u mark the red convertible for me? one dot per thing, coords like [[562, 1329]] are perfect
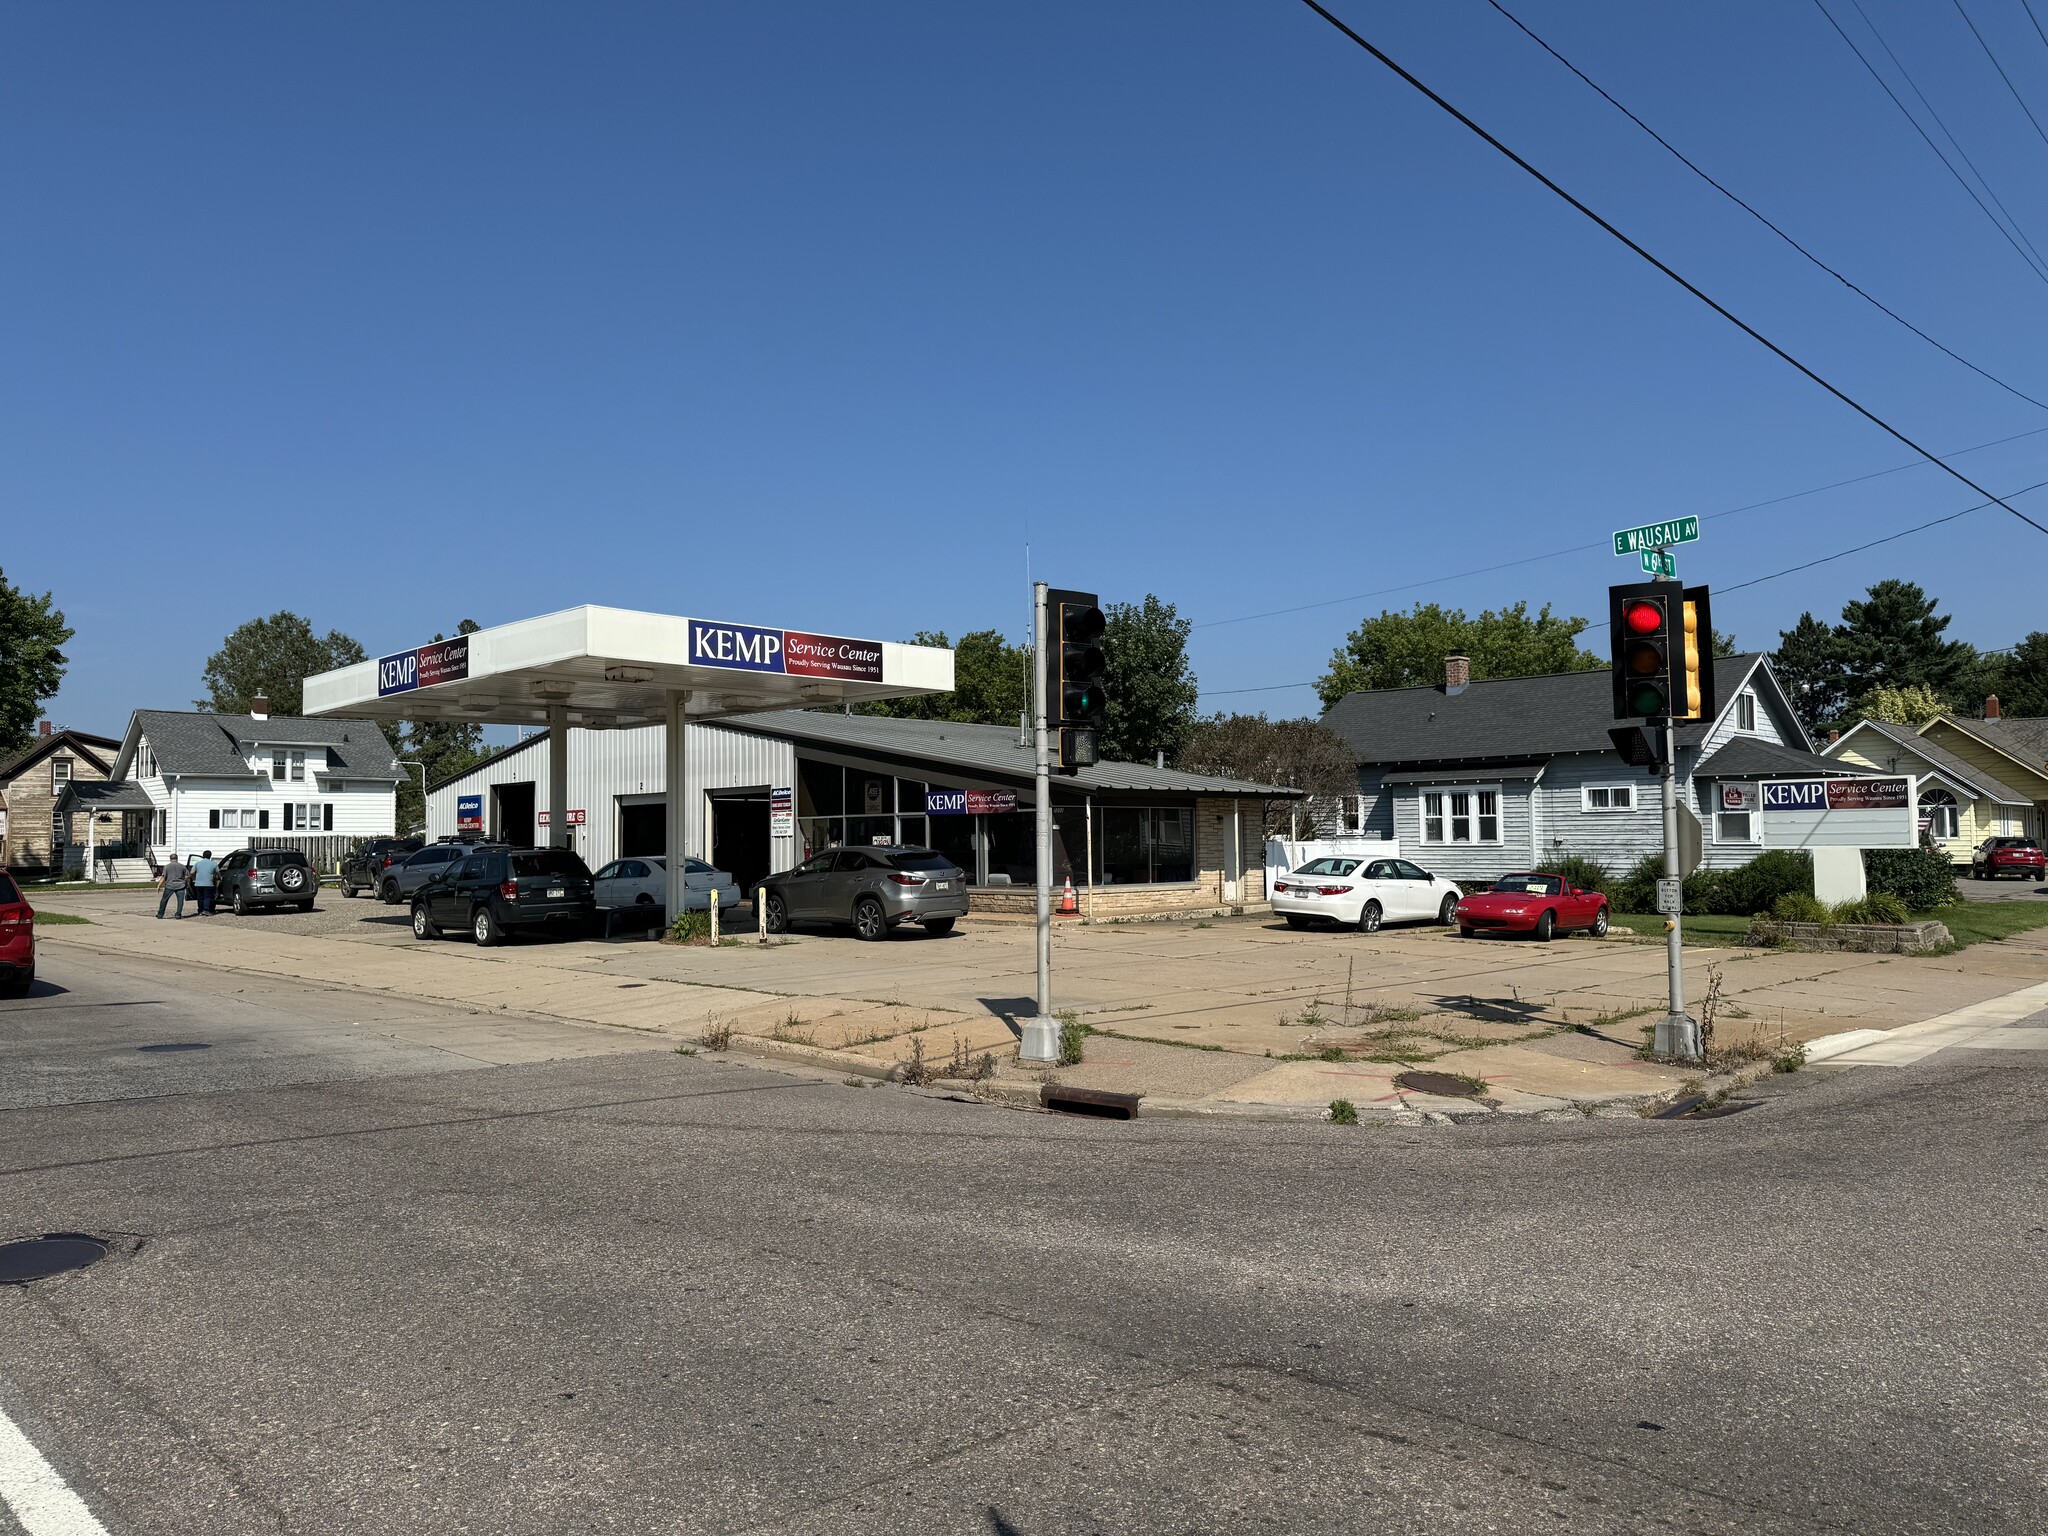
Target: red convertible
[[1538, 904]]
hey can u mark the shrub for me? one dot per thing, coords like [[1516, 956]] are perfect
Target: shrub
[[1073, 1038], [1636, 891], [1799, 907], [1586, 874], [1704, 892], [691, 925], [1757, 885], [1920, 878], [1343, 1112], [1877, 907]]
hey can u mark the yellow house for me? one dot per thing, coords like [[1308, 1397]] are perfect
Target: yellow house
[[2014, 750], [1967, 793]]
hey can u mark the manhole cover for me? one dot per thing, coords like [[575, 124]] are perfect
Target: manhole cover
[[38, 1258], [177, 1045], [1442, 1084]]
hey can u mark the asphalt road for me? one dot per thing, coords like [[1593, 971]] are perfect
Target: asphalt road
[[647, 1292]]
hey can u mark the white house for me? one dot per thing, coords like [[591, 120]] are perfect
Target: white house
[[229, 781]]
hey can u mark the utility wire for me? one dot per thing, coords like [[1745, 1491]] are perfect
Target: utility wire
[[1720, 309], [1754, 581], [2029, 4], [2028, 254], [1681, 158], [2016, 96]]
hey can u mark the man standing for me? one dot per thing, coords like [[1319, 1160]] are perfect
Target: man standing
[[202, 881], [173, 879]]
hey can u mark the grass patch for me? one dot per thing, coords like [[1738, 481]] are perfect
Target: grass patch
[[58, 919], [1117, 1034], [1701, 932], [1974, 922]]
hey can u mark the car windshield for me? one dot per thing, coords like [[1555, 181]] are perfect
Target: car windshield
[[919, 858], [550, 861], [1328, 867], [1530, 885]]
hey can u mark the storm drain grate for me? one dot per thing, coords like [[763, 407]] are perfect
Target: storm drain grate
[[38, 1258], [1442, 1084], [1698, 1108], [177, 1045], [1089, 1101]]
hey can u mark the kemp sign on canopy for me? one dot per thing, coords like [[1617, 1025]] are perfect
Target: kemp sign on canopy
[[747, 649], [444, 661]]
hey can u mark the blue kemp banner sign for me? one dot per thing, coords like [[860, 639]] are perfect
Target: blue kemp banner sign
[[969, 802], [444, 661], [745, 648], [469, 813], [1795, 795]]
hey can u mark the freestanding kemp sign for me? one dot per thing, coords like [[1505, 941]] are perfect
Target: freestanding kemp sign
[[1835, 813]]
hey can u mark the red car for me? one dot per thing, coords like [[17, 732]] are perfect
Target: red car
[[17, 940], [1543, 905], [1997, 856]]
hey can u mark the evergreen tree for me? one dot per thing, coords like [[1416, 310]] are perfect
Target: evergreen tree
[[1892, 638], [1808, 662]]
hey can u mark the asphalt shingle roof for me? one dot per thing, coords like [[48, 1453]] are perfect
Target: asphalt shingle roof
[[1752, 757], [1939, 757], [219, 746], [1509, 717], [2024, 737], [102, 795], [98, 748]]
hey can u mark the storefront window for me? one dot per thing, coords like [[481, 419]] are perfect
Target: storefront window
[[953, 836], [910, 831], [821, 789], [1012, 848], [1145, 845], [869, 794], [865, 831]]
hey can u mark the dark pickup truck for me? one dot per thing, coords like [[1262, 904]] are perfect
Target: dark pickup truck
[[363, 870]]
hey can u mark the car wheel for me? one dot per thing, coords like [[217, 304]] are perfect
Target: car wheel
[[422, 925], [1546, 928], [1296, 920], [241, 905], [1369, 918], [939, 927], [485, 929], [870, 923], [390, 893], [1599, 929], [1447, 914], [305, 906], [1464, 932], [348, 890], [19, 988], [778, 915]]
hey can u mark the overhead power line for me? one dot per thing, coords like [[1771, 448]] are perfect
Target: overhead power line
[[1739, 202], [2036, 20], [2016, 96], [1690, 287], [2014, 236]]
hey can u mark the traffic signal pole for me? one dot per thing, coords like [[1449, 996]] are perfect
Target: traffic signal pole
[[1041, 1034], [1678, 1033]]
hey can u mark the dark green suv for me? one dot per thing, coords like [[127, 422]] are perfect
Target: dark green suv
[[496, 892]]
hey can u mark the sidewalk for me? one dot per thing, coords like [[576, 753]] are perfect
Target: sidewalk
[[1228, 1017]]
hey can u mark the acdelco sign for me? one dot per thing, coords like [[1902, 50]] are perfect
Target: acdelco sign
[[745, 648]]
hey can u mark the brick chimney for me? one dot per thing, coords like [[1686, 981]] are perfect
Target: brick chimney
[[1991, 707], [1457, 672], [259, 708], [1833, 737], [43, 730]]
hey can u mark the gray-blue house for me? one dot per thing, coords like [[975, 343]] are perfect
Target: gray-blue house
[[1477, 779]]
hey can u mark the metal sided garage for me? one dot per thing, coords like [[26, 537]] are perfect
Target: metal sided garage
[[763, 791]]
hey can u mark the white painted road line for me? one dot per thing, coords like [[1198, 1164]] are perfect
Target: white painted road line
[[1980, 1026], [39, 1497]]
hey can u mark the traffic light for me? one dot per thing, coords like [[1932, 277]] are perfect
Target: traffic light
[[1077, 703], [1638, 747], [1639, 617], [1694, 693]]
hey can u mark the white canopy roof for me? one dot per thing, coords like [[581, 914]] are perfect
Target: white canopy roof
[[614, 667]]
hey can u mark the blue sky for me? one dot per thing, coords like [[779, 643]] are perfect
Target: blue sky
[[816, 314]]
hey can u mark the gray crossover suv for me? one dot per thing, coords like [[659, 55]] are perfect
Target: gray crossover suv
[[402, 881], [874, 889]]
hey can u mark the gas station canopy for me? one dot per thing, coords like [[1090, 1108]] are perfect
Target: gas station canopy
[[600, 668]]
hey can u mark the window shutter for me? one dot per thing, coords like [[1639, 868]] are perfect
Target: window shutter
[[327, 818], [263, 821], [213, 820]]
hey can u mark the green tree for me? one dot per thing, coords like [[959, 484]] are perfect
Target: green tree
[[272, 658], [2020, 679], [1915, 704], [1892, 638], [1301, 754], [443, 747], [1724, 643], [1150, 684], [991, 683], [32, 662], [1809, 663], [1407, 650]]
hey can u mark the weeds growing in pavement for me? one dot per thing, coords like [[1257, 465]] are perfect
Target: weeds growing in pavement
[[787, 1026], [975, 1069], [1343, 1112], [916, 1070], [717, 1035], [686, 1050], [1073, 1037]]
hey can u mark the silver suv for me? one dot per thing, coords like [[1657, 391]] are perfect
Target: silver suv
[[874, 889], [402, 881]]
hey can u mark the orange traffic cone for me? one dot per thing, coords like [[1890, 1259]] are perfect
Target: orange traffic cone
[[1068, 901]]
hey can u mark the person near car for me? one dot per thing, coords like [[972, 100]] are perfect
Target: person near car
[[173, 879], [203, 871]]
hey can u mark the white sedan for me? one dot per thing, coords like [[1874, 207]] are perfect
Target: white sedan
[[1362, 894], [644, 883]]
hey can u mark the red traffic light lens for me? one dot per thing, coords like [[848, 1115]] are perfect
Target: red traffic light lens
[[1643, 618]]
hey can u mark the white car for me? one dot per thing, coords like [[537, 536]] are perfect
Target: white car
[[644, 883], [1363, 893]]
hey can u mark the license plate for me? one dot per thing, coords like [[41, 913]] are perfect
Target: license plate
[[945, 885], [555, 892]]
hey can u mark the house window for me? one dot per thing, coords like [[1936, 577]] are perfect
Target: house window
[[213, 820], [1461, 815], [277, 766], [60, 774], [1939, 807], [1607, 797], [145, 761], [1735, 826], [1354, 812], [248, 818], [298, 767], [1745, 712]]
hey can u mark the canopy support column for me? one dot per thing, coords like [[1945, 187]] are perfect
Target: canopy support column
[[676, 762], [558, 775]]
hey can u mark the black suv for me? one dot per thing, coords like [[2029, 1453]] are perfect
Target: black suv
[[495, 892], [363, 870], [266, 877]]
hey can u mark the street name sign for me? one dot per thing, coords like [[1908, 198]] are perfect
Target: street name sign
[[1659, 562], [1680, 530]]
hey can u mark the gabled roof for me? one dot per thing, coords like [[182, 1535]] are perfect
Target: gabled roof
[[98, 750], [1965, 775], [1510, 717], [200, 744], [987, 751], [105, 795], [1752, 757], [2024, 737]]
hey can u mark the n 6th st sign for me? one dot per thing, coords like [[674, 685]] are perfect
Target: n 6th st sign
[[1680, 530]]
